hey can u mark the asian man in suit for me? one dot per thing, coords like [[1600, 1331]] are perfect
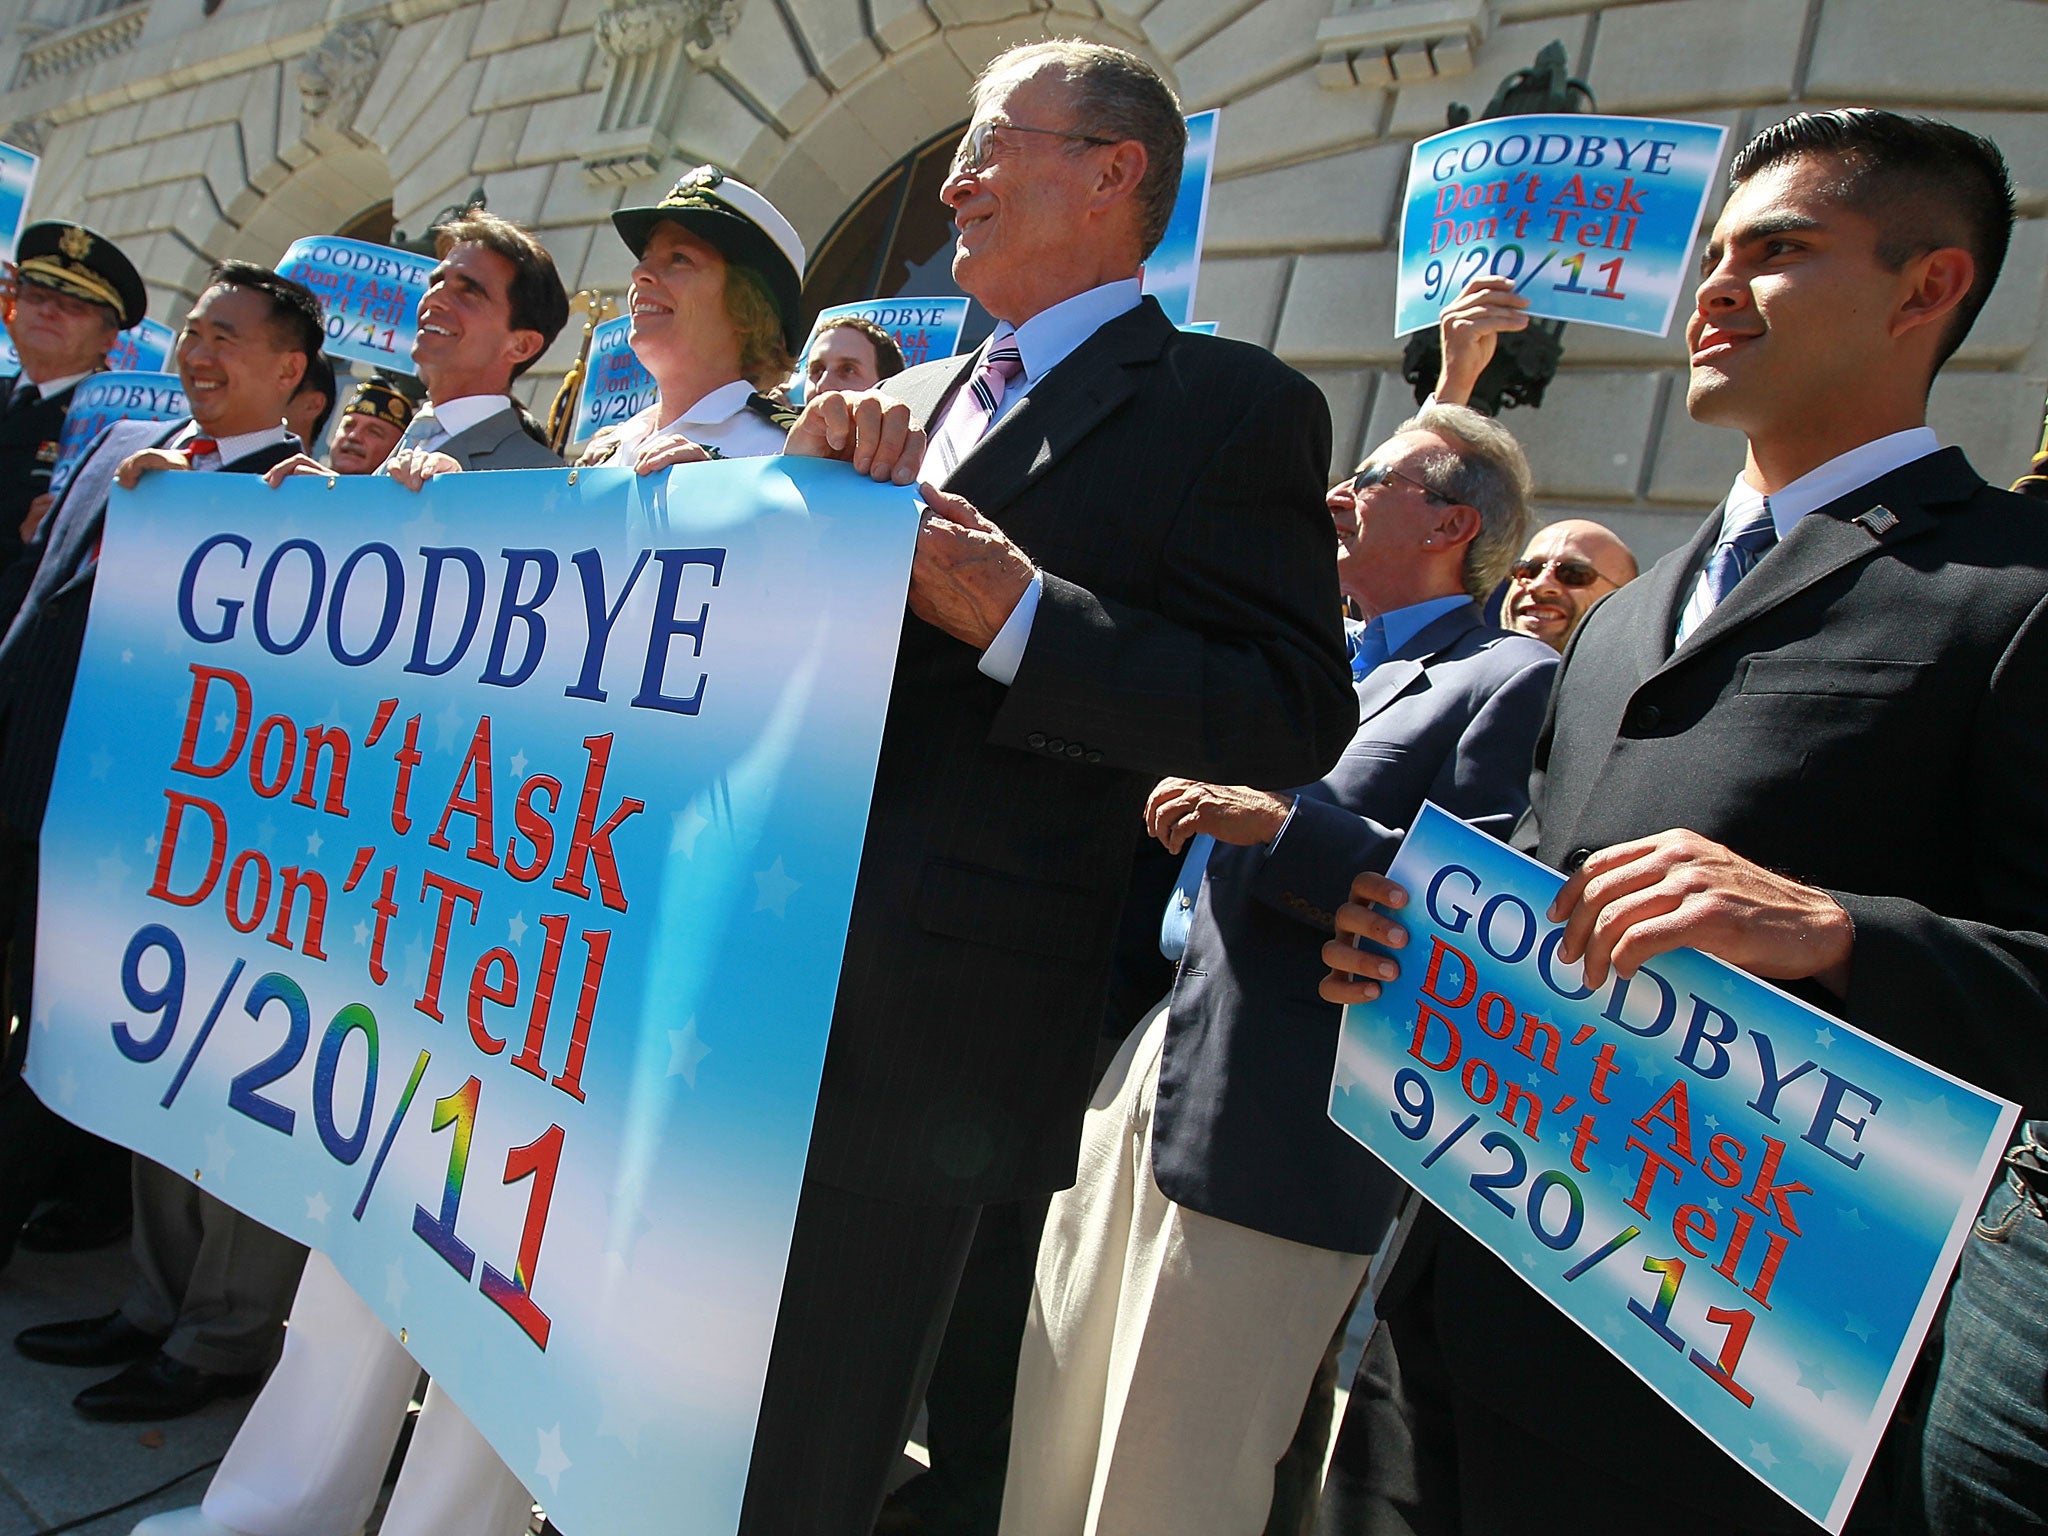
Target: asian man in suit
[[1129, 574], [1812, 743], [1190, 1281], [204, 1316]]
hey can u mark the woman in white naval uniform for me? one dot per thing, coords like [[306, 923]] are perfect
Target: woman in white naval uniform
[[714, 306]]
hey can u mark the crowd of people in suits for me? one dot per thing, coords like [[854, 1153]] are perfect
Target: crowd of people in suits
[[1165, 705]]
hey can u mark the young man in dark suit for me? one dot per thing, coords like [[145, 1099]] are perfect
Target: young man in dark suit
[[1190, 1281], [203, 1318], [1128, 575], [1813, 743]]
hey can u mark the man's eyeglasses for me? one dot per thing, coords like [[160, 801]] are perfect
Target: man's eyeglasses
[[1380, 474], [978, 148], [1570, 573]]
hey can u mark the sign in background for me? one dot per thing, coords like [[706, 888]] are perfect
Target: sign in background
[[1170, 271], [110, 397], [925, 328], [17, 182], [143, 348], [1752, 1205], [370, 295], [1592, 218], [454, 881], [615, 387]]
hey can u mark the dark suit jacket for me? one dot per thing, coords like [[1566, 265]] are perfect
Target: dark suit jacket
[[28, 452], [1866, 712], [1240, 1129], [1170, 487], [39, 656]]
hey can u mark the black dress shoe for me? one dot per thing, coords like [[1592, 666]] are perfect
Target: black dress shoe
[[160, 1388], [68, 1228], [109, 1340]]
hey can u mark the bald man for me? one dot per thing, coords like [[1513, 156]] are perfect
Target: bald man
[[1567, 568]]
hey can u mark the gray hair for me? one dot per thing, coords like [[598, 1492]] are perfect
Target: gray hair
[[1116, 96], [1486, 472]]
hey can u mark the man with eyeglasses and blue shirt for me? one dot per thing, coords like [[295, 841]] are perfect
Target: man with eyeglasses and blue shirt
[[1124, 572]]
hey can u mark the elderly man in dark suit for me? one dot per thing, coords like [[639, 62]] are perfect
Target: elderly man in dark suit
[[1813, 743], [1190, 1281], [1128, 575], [203, 1318]]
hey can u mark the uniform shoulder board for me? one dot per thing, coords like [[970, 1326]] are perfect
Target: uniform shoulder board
[[774, 412]]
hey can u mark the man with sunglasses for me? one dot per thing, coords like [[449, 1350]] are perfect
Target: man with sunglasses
[[1567, 568], [1175, 613]]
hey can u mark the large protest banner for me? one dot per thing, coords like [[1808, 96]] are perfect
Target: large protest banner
[[1593, 218], [1749, 1203], [369, 294], [455, 881]]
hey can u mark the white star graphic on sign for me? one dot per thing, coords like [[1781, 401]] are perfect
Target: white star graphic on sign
[[446, 724], [395, 1283], [312, 844], [1713, 1122], [362, 932], [625, 1412], [775, 889], [218, 1153], [1813, 1375], [220, 722], [515, 925], [266, 830], [1931, 1119], [519, 764], [149, 845], [114, 870], [688, 822], [67, 1087], [1714, 1204], [1646, 1065], [317, 1207], [551, 1463], [1824, 1038], [1852, 1218], [127, 656], [1851, 1323], [102, 762], [424, 528], [1761, 1451], [685, 1050]]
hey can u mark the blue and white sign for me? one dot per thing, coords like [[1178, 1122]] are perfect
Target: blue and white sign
[[143, 348], [1751, 1204], [17, 183], [924, 327], [110, 397], [455, 881], [1592, 218], [369, 293], [1171, 270], [615, 387]]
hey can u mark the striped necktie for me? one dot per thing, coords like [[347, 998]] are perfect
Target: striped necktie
[[423, 431], [1733, 558], [967, 421]]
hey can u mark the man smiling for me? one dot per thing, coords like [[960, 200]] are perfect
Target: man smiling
[[1811, 743], [1567, 568]]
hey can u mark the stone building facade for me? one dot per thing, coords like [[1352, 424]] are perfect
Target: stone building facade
[[193, 130]]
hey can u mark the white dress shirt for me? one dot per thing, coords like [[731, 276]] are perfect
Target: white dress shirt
[[239, 446], [1809, 493], [456, 416], [1045, 341]]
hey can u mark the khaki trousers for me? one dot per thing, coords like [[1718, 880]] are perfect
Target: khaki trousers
[[1168, 1353]]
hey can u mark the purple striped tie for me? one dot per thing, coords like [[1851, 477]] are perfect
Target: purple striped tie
[[975, 407]]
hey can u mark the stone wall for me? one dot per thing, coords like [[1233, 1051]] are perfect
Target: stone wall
[[190, 137]]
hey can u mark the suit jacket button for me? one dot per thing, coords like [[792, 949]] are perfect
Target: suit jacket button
[[1648, 717], [1035, 740], [1575, 858], [1055, 744], [1094, 757], [1075, 749]]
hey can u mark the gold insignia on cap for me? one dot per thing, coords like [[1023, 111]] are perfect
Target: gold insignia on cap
[[75, 243]]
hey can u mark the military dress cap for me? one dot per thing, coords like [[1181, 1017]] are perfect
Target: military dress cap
[[745, 227], [69, 258], [373, 397]]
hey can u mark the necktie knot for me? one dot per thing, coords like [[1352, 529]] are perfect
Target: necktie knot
[[200, 447], [25, 395]]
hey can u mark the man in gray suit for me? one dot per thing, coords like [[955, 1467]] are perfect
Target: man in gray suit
[[1190, 1281]]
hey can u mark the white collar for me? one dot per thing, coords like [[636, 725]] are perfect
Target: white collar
[[723, 403], [1830, 482], [1049, 337], [49, 387], [457, 416], [239, 446]]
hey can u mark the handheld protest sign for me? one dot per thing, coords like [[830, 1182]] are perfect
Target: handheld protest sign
[[110, 397], [144, 348], [370, 295], [17, 182], [1592, 218], [924, 328], [615, 387], [1751, 1204], [1171, 269]]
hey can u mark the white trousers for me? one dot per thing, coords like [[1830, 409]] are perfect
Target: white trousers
[[1168, 1353], [309, 1459]]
